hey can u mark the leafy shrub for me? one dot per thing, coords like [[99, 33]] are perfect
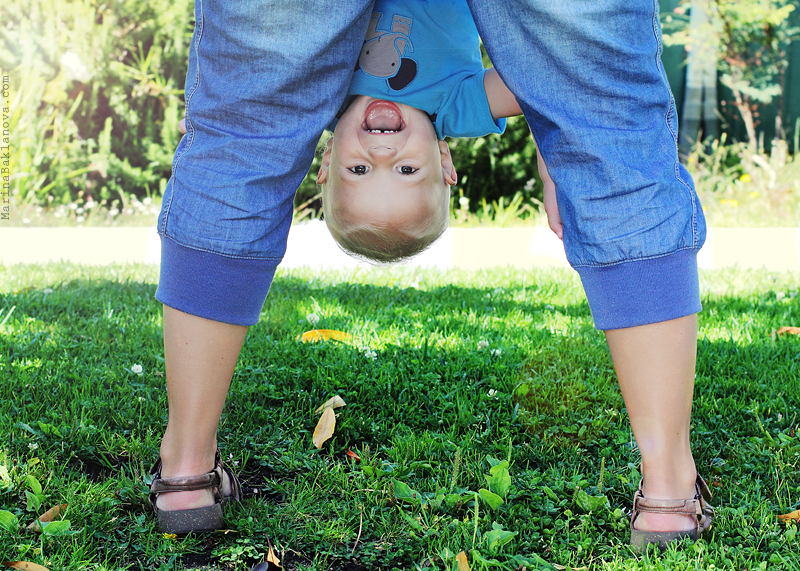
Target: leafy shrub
[[94, 85], [739, 187], [498, 165]]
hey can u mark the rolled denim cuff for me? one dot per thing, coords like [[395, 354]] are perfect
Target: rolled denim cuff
[[220, 288], [641, 292]]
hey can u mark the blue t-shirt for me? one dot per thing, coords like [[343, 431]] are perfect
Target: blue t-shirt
[[426, 54]]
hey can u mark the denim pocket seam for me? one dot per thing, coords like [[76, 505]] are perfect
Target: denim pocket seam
[[214, 252], [188, 97]]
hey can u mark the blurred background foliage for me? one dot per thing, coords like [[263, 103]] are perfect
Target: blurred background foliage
[[96, 95]]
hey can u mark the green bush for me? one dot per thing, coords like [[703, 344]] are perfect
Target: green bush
[[96, 97], [94, 102], [498, 165]]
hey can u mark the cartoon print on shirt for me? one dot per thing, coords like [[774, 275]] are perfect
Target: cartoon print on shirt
[[383, 52]]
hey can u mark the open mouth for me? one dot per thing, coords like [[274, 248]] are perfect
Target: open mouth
[[383, 118]]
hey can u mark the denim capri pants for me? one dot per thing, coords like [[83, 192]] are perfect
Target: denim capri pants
[[266, 77]]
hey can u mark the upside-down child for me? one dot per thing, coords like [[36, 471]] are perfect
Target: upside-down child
[[387, 171]]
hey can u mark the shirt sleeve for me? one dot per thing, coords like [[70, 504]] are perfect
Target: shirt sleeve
[[466, 113]]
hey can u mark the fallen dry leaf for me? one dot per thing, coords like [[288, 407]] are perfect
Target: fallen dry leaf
[[333, 402], [324, 335], [325, 426], [271, 564], [795, 515], [789, 330], [271, 557], [48, 516], [25, 566], [461, 559], [353, 456]]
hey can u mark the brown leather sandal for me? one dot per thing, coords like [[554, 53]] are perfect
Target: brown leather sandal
[[698, 506], [197, 520]]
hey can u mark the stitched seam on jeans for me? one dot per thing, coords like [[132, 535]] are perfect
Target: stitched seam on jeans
[[671, 116], [221, 254], [189, 128], [642, 259]]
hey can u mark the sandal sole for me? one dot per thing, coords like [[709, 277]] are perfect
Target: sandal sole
[[198, 520]]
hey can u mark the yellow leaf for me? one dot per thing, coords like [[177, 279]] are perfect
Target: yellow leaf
[[271, 564], [325, 426], [50, 515], [795, 515], [271, 557], [324, 335], [789, 330], [24, 566], [333, 402], [461, 559]]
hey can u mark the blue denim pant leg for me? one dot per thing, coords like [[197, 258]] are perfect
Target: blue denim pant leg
[[265, 77], [589, 78]]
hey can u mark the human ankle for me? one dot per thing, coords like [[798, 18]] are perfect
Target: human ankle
[[185, 461]]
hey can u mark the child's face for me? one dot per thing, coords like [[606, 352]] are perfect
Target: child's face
[[385, 165]]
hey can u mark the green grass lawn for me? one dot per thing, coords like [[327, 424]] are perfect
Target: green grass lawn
[[483, 406]]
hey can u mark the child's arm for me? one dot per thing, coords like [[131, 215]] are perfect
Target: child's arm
[[502, 102], [550, 203]]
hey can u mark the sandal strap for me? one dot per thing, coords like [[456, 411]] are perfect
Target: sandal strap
[[702, 488], [698, 506], [185, 483], [685, 507], [236, 487], [210, 480]]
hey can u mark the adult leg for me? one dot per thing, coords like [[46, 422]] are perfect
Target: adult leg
[[265, 78], [655, 365], [589, 79], [200, 357]]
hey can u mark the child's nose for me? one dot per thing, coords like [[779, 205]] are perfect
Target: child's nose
[[382, 151]]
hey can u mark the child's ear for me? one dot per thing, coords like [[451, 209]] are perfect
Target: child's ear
[[448, 169], [322, 175]]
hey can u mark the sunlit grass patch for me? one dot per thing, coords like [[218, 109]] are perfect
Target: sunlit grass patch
[[452, 380]]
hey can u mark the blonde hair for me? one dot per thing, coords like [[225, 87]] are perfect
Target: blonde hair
[[386, 244]]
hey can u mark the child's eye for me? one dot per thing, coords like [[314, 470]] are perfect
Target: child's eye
[[407, 170], [358, 169]]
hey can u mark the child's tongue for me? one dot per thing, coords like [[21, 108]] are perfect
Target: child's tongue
[[383, 117]]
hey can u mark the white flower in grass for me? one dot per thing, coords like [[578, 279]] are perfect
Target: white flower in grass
[[482, 344], [491, 393], [47, 290], [780, 295], [33, 446], [463, 202], [137, 369], [313, 319], [496, 352], [370, 354]]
